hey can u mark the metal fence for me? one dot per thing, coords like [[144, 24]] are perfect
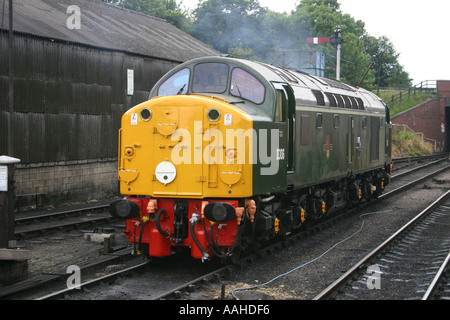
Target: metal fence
[[428, 86]]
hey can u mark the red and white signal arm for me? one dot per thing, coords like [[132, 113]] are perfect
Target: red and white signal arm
[[318, 40]]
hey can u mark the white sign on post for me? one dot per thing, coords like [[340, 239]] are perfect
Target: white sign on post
[[3, 178], [130, 82]]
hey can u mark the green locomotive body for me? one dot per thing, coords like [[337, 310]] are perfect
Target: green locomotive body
[[253, 148]]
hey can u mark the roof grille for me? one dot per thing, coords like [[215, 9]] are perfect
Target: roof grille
[[319, 97]]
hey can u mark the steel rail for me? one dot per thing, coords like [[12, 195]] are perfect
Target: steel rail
[[60, 213], [341, 281], [42, 279], [189, 286], [418, 168], [61, 293], [437, 279], [72, 217]]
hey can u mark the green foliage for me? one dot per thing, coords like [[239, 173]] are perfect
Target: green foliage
[[409, 102], [245, 29], [391, 73], [406, 143], [229, 25], [165, 9]]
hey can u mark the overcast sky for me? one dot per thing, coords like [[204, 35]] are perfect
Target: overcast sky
[[419, 30]]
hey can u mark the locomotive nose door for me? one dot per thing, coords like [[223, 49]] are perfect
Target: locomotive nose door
[[176, 173]]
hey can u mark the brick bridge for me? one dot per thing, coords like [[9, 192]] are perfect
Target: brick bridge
[[432, 117]]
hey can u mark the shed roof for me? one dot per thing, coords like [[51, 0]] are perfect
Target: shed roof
[[106, 26]]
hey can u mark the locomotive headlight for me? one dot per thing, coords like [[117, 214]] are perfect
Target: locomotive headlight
[[219, 212], [146, 114], [213, 114]]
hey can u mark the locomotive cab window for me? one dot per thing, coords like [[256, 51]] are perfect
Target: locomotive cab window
[[280, 111], [176, 84], [246, 86], [210, 77]]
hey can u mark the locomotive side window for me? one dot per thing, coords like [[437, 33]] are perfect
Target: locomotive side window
[[246, 86], [176, 84], [336, 121], [210, 77], [319, 121], [364, 122]]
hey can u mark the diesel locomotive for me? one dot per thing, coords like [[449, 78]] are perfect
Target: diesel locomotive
[[228, 153]]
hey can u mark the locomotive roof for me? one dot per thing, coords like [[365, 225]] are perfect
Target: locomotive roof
[[314, 90], [309, 90]]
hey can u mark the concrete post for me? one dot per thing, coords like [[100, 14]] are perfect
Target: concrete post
[[13, 262], [7, 198]]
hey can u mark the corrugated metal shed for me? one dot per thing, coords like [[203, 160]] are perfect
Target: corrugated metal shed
[[70, 86], [106, 26], [71, 89]]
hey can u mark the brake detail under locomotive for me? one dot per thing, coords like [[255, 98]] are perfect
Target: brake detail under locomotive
[[229, 153]]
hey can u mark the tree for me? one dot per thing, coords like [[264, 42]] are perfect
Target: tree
[[164, 9], [228, 24], [320, 18], [281, 32], [389, 70], [245, 29]]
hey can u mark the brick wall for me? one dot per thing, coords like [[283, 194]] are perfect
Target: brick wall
[[426, 118], [43, 184], [443, 89], [430, 117]]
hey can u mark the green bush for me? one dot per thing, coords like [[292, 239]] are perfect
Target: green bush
[[406, 143]]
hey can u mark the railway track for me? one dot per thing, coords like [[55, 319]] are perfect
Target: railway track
[[194, 286], [399, 260], [177, 293], [32, 224], [210, 276], [439, 288]]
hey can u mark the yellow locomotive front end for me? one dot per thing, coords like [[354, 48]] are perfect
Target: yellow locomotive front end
[[186, 161], [185, 147], [183, 162]]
